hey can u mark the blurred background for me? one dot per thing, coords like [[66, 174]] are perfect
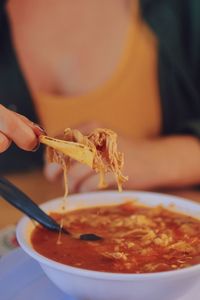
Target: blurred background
[[132, 66]]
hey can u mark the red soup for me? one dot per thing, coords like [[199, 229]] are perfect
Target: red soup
[[136, 239]]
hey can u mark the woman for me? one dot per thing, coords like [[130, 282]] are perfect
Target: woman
[[57, 69]]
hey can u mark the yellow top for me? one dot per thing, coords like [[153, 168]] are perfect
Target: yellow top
[[128, 103]]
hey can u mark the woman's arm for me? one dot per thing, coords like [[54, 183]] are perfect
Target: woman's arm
[[168, 162], [172, 161]]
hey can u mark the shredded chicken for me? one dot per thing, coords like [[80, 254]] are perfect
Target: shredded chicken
[[107, 158]]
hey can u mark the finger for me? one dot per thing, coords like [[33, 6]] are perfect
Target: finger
[[91, 183], [24, 119], [15, 129], [53, 171], [38, 130], [4, 143]]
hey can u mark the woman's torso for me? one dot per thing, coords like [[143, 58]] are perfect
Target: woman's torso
[[89, 64]]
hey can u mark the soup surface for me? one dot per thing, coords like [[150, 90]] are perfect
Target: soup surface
[[136, 239]]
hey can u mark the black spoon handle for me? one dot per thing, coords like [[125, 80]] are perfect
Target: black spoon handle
[[18, 199]]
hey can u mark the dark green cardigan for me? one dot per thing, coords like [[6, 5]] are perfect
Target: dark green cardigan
[[176, 24]]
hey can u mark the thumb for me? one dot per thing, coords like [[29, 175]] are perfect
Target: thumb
[[52, 171], [91, 183]]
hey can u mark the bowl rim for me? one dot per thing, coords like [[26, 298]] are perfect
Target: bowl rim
[[99, 274]]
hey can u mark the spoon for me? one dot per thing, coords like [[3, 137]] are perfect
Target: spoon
[[77, 151], [21, 201]]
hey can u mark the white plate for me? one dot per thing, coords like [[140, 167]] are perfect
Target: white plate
[[21, 278]]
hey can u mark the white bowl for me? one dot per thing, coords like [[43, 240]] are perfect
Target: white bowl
[[92, 285]]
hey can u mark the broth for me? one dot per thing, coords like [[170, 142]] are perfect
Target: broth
[[136, 239]]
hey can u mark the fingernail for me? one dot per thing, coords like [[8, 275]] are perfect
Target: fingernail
[[36, 147], [40, 130]]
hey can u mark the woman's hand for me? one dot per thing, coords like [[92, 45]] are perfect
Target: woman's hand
[[18, 129], [77, 172], [80, 177]]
